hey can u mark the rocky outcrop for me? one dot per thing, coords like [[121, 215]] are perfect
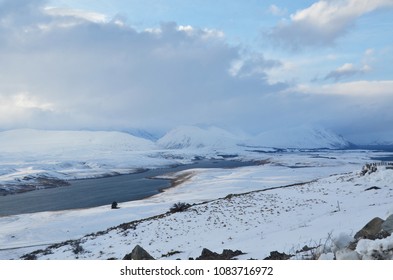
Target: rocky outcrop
[[275, 255], [370, 230], [370, 242], [387, 225], [225, 255], [138, 253]]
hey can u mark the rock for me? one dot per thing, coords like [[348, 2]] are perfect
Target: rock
[[370, 230], [373, 188], [138, 253], [388, 225], [225, 255], [114, 205], [368, 169], [207, 255], [274, 255], [229, 254], [364, 246]]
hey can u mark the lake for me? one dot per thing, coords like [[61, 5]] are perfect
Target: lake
[[88, 193], [383, 158]]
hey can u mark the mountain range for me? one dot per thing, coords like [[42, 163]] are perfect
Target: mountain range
[[182, 137], [303, 137]]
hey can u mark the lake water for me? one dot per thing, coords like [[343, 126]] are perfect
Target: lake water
[[383, 158], [101, 191]]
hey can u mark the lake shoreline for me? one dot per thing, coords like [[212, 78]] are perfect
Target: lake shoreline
[[88, 193]]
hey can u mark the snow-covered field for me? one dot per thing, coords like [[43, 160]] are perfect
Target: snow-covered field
[[294, 199]]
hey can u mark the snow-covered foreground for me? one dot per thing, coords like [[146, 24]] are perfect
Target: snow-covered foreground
[[267, 215]]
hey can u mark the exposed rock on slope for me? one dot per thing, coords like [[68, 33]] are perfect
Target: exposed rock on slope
[[138, 253], [373, 242], [225, 255]]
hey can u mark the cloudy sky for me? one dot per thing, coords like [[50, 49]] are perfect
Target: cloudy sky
[[242, 65]]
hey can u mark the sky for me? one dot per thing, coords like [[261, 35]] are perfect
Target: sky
[[247, 66]]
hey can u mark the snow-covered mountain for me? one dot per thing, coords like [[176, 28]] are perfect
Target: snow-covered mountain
[[29, 153], [145, 134], [376, 138], [45, 141], [38, 142], [303, 137], [380, 143], [194, 137]]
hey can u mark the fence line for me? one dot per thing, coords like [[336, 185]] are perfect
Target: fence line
[[382, 163]]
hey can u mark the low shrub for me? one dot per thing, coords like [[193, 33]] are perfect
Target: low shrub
[[179, 207]]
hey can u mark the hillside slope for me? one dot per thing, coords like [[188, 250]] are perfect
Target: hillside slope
[[303, 137], [193, 137], [26, 154], [38, 142]]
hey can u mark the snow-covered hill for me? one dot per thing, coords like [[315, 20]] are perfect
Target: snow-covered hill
[[303, 137], [194, 137], [29, 153], [377, 138], [46, 141]]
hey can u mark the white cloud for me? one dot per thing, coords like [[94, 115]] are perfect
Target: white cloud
[[347, 70], [369, 52], [22, 109], [186, 28], [206, 33], [356, 88], [277, 11], [85, 15], [324, 21], [25, 100]]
